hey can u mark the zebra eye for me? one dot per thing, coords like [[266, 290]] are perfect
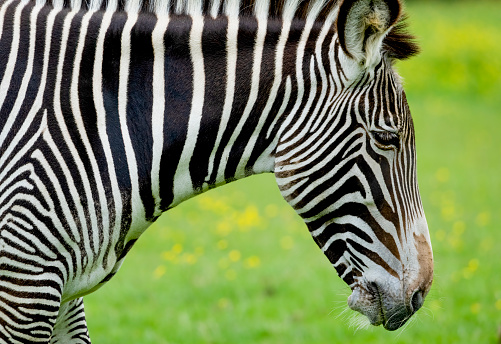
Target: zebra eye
[[386, 139]]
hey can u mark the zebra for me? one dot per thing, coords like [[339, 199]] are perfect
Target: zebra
[[112, 112]]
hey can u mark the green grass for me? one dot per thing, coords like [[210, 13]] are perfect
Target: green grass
[[236, 265]]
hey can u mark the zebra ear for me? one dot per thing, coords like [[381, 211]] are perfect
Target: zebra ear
[[362, 25]]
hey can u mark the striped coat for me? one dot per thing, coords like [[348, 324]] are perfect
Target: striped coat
[[112, 113]]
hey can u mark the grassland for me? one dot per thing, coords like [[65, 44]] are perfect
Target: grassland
[[236, 265]]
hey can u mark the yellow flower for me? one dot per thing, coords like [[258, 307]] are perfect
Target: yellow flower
[[169, 255], [440, 235], [448, 212], [286, 243], [443, 174], [199, 251], [223, 303], [458, 227], [250, 217], [455, 242], [222, 244], [473, 264], [487, 244], [214, 205], [234, 255], [189, 258], [223, 263], [271, 210], [230, 274], [177, 248], [224, 228], [252, 262], [456, 276], [471, 268], [483, 219], [159, 271], [475, 308]]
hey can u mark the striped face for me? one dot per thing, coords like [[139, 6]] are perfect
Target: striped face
[[352, 178]]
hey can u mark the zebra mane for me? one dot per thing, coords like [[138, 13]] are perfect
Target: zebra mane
[[398, 43], [299, 9]]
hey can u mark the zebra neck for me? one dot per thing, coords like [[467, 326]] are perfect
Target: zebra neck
[[159, 108], [221, 92]]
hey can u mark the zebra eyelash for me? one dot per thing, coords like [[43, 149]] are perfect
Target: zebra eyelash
[[386, 140]]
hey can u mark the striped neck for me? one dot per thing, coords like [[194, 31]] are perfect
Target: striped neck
[[222, 87], [159, 108]]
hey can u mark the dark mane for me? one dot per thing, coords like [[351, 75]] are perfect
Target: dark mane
[[276, 8], [399, 43], [246, 6]]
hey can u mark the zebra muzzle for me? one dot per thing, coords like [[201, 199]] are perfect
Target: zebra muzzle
[[383, 307]]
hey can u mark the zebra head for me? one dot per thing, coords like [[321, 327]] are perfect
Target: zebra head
[[348, 166]]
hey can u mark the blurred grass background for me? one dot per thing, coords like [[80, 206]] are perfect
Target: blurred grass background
[[236, 265]]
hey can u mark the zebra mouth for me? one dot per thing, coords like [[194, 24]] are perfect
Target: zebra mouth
[[378, 310], [391, 319], [379, 299], [396, 320]]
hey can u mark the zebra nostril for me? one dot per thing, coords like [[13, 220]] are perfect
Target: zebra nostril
[[417, 301]]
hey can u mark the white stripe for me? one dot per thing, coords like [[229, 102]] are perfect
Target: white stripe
[[11, 62], [298, 122], [264, 163], [111, 5], [306, 115], [254, 91], [279, 55], [305, 174], [75, 5], [94, 5], [157, 121], [21, 222], [319, 146], [382, 250], [51, 212], [8, 172], [108, 231], [183, 184], [37, 104], [333, 85], [133, 6], [231, 67], [179, 6], [4, 7], [103, 137], [138, 217], [19, 239], [323, 76], [194, 8], [24, 84], [290, 8], [75, 109], [261, 9], [60, 196], [58, 4], [214, 8], [161, 8], [231, 9], [285, 102]]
